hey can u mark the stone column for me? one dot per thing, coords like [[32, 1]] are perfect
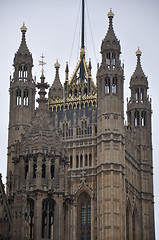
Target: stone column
[[38, 172], [38, 217]]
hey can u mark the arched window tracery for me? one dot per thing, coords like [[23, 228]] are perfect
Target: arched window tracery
[[48, 206], [84, 216]]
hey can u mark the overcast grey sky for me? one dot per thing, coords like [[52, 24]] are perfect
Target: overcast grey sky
[[51, 27]]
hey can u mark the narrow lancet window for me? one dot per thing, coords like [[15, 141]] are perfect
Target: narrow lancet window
[[108, 59], [25, 97], [113, 60], [20, 72], [107, 85], [90, 159], [81, 161], [43, 171], [143, 118], [137, 94], [86, 160], [142, 95], [19, 97], [25, 72], [71, 162], [52, 171], [77, 161], [34, 170], [136, 118], [114, 85]]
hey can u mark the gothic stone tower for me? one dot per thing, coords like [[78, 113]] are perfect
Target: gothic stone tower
[[22, 101], [110, 141], [102, 186], [139, 175], [37, 188]]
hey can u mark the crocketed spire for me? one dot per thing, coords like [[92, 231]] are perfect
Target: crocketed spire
[[110, 40], [138, 77], [56, 90], [23, 51]]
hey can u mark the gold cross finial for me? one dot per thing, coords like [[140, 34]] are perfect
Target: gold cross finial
[[42, 63]]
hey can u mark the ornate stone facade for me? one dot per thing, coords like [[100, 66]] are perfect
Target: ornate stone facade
[[75, 170]]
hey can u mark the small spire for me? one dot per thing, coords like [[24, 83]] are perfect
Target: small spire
[[23, 28], [110, 14], [138, 71]]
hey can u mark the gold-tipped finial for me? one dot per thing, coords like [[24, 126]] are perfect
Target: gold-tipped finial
[[23, 28], [110, 13], [57, 65], [42, 63], [138, 52]]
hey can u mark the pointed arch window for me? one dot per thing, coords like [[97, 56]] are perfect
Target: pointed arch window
[[52, 171], [107, 85], [25, 98], [81, 161], [142, 95], [108, 59], [43, 170], [48, 206], [71, 161], [143, 118], [90, 159], [114, 85], [84, 217], [136, 118], [25, 71], [18, 97], [113, 60], [129, 118], [77, 161], [137, 94], [20, 72], [86, 160], [75, 92]]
